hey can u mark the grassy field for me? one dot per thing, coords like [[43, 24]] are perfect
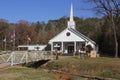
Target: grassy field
[[70, 68], [24, 73], [101, 67]]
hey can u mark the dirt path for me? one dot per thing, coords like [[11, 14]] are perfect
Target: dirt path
[[61, 76], [3, 67]]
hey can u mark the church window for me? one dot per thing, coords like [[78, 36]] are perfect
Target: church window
[[68, 34]]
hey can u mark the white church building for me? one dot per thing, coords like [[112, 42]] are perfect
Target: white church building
[[70, 40]]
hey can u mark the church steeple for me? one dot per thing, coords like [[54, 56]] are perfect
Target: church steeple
[[71, 13], [71, 23]]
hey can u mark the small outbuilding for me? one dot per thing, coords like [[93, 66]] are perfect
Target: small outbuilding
[[32, 47]]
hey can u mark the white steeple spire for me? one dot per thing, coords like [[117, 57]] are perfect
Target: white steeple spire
[[71, 23], [71, 13]]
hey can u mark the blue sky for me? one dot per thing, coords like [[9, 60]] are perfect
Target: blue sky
[[41, 10]]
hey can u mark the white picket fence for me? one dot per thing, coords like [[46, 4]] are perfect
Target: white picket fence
[[18, 57]]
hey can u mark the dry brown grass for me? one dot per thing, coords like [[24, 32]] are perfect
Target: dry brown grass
[[71, 67], [103, 66], [24, 73]]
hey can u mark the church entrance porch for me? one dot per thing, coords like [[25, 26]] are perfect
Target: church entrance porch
[[67, 47]]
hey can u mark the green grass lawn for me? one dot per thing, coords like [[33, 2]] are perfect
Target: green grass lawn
[[70, 66]]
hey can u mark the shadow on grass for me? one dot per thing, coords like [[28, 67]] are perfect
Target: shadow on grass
[[35, 64]]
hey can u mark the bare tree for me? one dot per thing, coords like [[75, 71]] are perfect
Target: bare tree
[[111, 9]]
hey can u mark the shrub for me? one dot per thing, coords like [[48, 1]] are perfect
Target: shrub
[[89, 47]]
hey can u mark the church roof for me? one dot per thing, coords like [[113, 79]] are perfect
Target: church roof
[[81, 35], [74, 36]]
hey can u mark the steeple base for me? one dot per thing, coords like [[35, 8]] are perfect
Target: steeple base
[[71, 24]]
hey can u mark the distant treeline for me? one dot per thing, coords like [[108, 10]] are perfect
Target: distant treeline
[[98, 29]]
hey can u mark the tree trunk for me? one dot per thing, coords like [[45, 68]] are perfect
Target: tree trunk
[[115, 36]]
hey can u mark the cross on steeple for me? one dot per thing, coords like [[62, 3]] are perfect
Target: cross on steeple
[[71, 23]]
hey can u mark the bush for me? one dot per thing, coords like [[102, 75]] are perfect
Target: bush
[[89, 47]]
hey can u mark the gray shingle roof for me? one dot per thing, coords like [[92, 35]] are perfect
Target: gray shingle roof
[[81, 35]]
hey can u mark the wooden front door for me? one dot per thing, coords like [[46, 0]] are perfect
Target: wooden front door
[[70, 49]]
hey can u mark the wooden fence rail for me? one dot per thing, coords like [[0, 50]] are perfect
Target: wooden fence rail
[[18, 57]]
